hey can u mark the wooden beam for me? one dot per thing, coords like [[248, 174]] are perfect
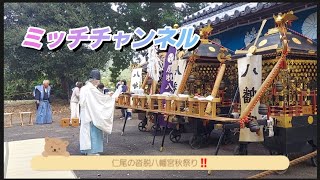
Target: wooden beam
[[154, 86], [187, 73], [274, 72], [145, 81], [216, 85]]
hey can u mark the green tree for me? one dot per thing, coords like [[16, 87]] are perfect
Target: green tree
[[62, 66]]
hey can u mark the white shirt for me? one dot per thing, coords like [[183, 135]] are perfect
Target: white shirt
[[75, 95]]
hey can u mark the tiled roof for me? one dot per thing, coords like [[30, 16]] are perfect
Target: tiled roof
[[210, 8], [224, 12]]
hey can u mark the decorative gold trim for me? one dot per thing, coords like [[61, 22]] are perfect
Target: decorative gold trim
[[311, 52], [180, 54], [272, 31], [212, 49], [207, 29], [175, 26], [309, 41], [241, 52], [306, 61], [252, 49], [284, 121], [267, 48], [263, 42], [296, 40]]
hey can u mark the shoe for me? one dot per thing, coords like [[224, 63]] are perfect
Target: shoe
[[121, 118], [129, 118]]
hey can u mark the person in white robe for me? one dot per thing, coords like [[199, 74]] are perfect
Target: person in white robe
[[96, 114], [74, 102]]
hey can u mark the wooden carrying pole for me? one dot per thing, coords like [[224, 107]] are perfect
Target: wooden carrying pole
[[145, 81], [263, 88], [186, 74], [216, 85], [154, 86], [128, 85], [274, 72]]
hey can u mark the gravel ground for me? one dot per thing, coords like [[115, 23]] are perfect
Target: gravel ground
[[134, 142]]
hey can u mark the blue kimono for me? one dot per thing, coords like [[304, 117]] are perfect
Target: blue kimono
[[96, 136], [44, 113]]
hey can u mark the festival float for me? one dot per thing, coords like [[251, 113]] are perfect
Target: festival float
[[277, 100], [288, 93], [204, 80], [207, 98]]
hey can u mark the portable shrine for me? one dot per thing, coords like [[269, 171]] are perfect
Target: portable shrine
[[206, 75], [203, 68], [291, 91], [141, 94]]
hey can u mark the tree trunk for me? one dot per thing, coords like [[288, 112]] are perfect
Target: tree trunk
[[65, 87]]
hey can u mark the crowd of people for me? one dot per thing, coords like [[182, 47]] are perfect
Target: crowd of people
[[86, 104]]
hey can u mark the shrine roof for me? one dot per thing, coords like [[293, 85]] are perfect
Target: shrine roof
[[221, 12], [207, 51], [226, 16], [270, 43]]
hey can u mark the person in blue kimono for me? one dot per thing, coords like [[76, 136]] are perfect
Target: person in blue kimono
[[43, 100]]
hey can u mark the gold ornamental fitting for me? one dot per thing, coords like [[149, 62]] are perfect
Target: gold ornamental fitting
[[272, 31], [175, 26], [308, 91], [281, 103], [308, 102], [283, 18], [205, 31]]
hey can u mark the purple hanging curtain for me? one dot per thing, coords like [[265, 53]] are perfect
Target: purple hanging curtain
[[167, 79]]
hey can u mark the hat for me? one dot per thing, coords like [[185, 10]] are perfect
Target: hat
[[95, 74]]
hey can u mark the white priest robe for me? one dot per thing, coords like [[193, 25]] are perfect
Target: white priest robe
[[97, 108]]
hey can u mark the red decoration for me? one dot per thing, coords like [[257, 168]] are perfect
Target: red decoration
[[243, 121]]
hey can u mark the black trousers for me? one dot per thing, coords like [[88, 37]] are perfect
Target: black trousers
[[37, 105], [123, 111]]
